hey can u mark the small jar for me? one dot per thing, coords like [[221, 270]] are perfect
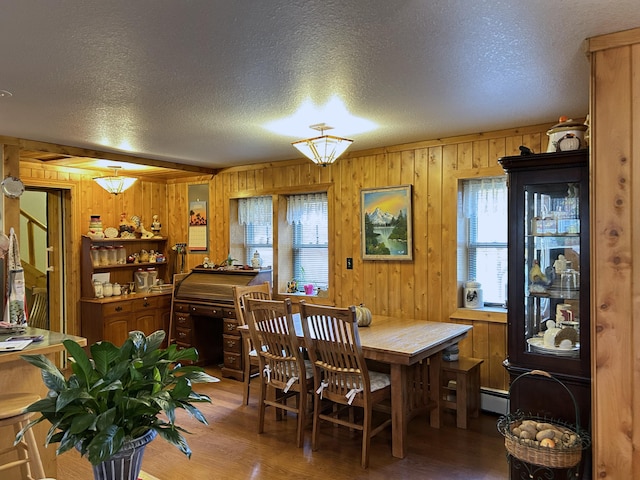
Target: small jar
[[95, 256], [473, 295], [107, 289], [117, 290], [121, 254], [97, 289], [103, 255], [112, 255]]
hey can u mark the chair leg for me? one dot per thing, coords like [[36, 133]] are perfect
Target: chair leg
[[366, 435], [263, 395], [316, 413], [302, 406], [246, 380]]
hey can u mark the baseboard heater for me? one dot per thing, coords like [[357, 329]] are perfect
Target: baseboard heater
[[493, 400]]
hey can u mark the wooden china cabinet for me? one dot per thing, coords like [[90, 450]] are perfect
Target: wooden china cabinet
[[112, 318], [548, 325]]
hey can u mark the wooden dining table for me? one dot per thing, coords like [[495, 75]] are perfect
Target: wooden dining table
[[412, 349]]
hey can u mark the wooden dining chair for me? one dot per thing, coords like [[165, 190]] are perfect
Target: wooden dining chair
[[261, 291], [39, 313], [282, 365], [341, 375]]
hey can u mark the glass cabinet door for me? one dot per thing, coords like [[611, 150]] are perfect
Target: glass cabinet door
[[548, 299], [552, 258]]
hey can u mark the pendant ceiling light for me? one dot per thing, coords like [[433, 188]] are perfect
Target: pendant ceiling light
[[325, 149], [114, 183]]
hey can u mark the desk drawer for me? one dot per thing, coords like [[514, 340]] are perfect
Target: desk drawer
[[183, 320], [231, 344], [181, 307], [230, 327], [206, 311], [233, 361], [183, 336]]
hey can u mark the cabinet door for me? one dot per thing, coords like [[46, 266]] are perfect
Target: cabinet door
[[549, 270], [116, 329], [144, 315]]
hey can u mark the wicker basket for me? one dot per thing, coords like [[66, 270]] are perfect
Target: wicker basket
[[560, 456]]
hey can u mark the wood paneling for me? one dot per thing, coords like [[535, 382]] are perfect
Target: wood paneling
[[615, 242], [425, 288]]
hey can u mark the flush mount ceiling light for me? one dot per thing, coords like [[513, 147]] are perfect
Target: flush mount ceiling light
[[325, 149], [114, 183]]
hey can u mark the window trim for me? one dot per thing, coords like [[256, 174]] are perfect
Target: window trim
[[280, 274]]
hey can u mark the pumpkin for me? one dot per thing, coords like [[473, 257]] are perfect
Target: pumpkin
[[363, 315]]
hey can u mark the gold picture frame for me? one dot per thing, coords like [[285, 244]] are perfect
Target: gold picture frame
[[386, 223]]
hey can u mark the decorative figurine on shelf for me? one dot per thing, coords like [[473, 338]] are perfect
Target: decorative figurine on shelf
[[256, 261], [144, 233], [95, 228], [156, 226], [126, 228], [536, 275], [292, 286], [560, 264]]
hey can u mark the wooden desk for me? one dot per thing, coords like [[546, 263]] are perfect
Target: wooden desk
[[16, 375], [411, 348]]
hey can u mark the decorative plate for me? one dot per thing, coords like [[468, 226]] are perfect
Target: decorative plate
[[111, 232], [12, 187], [537, 344]]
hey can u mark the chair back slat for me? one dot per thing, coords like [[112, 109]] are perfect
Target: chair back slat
[[271, 327], [334, 347], [261, 291]]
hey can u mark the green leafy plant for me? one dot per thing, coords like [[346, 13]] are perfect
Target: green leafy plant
[[119, 394]]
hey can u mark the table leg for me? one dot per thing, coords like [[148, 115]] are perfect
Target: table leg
[[399, 410], [435, 363]]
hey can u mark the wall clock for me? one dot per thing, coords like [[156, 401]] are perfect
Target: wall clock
[[12, 187]]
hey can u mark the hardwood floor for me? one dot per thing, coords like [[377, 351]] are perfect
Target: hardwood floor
[[230, 448]]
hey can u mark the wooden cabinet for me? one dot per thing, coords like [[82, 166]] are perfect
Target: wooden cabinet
[[112, 319], [548, 320]]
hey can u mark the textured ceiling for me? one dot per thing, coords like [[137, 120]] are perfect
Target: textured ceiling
[[194, 82]]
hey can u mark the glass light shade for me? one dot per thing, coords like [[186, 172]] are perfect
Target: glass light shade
[[323, 150], [115, 184]]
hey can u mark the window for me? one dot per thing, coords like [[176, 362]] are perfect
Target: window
[[482, 236], [255, 214], [308, 216]]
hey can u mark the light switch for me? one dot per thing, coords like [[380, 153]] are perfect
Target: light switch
[[349, 263]]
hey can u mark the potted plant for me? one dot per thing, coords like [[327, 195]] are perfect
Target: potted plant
[[118, 400]]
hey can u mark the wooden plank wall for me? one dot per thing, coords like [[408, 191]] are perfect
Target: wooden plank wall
[[86, 198], [426, 287], [615, 242]]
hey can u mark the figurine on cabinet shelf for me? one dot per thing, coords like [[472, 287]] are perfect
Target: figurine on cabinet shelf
[[156, 226], [535, 274], [127, 228], [560, 264], [144, 233]]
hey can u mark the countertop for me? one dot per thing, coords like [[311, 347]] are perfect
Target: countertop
[[51, 343]]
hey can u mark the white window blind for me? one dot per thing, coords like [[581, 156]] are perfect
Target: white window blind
[[308, 214], [484, 214], [256, 215]]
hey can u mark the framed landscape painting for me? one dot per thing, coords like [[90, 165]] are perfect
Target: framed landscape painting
[[386, 223]]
